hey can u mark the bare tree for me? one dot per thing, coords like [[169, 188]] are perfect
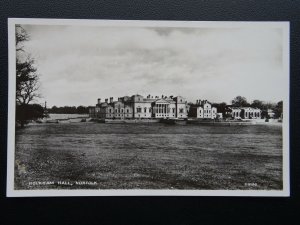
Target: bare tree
[[27, 79]]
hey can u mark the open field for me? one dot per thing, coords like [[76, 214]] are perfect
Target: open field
[[148, 156]]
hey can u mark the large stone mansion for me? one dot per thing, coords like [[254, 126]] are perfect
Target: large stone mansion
[[155, 107], [139, 107]]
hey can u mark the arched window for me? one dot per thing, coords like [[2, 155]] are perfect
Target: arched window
[[150, 110], [145, 110]]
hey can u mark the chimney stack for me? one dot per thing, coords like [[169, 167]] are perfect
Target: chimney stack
[[111, 99], [99, 100], [106, 100]]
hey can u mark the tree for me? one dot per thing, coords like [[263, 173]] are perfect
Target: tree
[[257, 104], [27, 112], [240, 101], [221, 108], [27, 81], [82, 110], [264, 114], [278, 109]]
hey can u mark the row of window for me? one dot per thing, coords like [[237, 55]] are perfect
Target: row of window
[[255, 114], [205, 111], [165, 115], [139, 110], [119, 111], [119, 115]]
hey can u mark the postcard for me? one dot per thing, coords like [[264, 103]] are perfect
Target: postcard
[[148, 108]]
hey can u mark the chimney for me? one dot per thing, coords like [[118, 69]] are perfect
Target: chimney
[[106, 100], [99, 100], [162, 96], [111, 99]]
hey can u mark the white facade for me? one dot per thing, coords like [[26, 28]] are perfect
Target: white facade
[[245, 113], [164, 108], [251, 113], [181, 109], [204, 110], [142, 110]]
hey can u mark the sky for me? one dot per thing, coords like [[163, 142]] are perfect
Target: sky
[[78, 64]]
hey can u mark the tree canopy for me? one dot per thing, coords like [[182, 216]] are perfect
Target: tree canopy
[[240, 101]]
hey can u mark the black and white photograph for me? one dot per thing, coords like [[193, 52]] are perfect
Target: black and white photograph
[[110, 107]]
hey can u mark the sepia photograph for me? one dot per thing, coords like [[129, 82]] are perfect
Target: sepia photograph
[[111, 107]]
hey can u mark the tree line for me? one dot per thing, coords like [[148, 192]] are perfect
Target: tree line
[[69, 110]]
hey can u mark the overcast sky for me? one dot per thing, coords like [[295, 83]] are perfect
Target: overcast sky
[[78, 64]]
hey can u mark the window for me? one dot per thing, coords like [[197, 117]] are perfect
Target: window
[[173, 110], [138, 109], [181, 110], [145, 110], [116, 110], [149, 110], [121, 110], [127, 110]]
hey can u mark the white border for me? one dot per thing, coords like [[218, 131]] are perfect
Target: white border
[[136, 23]]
